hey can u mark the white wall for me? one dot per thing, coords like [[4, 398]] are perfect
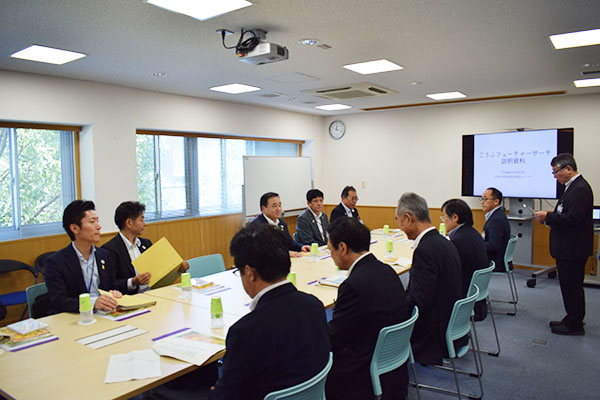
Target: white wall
[[420, 149], [111, 115]]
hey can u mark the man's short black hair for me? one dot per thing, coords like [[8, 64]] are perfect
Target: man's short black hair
[[264, 199], [350, 231], [459, 208], [313, 194], [126, 210], [74, 213], [264, 248], [564, 159], [496, 194], [346, 190]]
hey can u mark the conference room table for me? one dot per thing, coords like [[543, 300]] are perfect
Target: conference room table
[[66, 369]]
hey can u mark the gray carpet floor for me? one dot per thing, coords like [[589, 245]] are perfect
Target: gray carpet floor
[[533, 363]]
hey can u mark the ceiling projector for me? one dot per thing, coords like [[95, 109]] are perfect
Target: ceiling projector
[[264, 53]]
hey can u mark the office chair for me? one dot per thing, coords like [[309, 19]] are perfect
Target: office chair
[[481, 279], [459, 325], [312, 389], [18, 297], [32, 293], [508, 258], [392, 349], [206, 265]]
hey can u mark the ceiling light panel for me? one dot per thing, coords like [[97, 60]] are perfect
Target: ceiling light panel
[[587, 82], [446, 96], [201, 10], [576, 39], [48, 55], [235, 88], [333, 107], [373, 67]]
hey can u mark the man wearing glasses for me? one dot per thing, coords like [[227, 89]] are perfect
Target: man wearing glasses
[[346, 206], [496, 230], [571, 240]]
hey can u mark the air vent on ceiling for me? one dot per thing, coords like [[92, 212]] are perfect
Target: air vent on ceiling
[[351, 91], [586, 73]]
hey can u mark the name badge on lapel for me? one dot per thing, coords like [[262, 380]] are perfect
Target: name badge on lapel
[[102, 262], [559, 209]]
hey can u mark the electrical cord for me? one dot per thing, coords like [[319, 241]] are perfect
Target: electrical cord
[[243, 47]]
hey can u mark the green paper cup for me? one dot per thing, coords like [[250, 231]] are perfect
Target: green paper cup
[[314, 248], [389, 246], [85, 302], [186, 280], [292, 277], [442, 228], [216, 307], [386, 229]]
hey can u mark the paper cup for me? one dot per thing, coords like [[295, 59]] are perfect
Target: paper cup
[[216, 307], [314, 248], [442, 228], [292, 277], [85, 302], [186, 280], [386, 229], [389, 246]]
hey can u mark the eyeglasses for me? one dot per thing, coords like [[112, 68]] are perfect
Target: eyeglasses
[[236, 271], [485, 198], [443, 217], [558, 170]]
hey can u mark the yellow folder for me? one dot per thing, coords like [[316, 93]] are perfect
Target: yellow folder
[[162, 261], [128, 302]]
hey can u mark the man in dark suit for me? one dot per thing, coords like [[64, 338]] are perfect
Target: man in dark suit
[[283, 341], [312, 224], [371, 298], [127, 245], [346, 206], [270, 206], [496, 230], [81, 267], [435, 282], [457, 216], [571, 240]]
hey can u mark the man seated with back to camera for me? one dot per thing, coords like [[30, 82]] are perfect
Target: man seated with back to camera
[[283, 340], [312, 224], [371, 298], [270, 207], [458, 217], [81, 267], [127, 245], [435, 282]]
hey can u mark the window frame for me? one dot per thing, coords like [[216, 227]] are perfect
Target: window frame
[[193, 209], [69, 161]]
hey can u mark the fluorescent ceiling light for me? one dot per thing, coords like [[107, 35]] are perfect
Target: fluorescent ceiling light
[[587, 82], [47, 55], [235, 88], [200, 9], [373, 67], [333, 107], [576, 39], [446, 96]]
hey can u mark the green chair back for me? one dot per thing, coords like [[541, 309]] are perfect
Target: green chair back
[[206, 265], [312, 389]]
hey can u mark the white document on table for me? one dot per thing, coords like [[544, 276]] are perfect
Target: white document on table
[[189, 346], [111, 336], [139, 364]]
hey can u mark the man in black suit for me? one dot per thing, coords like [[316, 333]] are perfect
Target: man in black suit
[[346, 206], [81, 267], [371, 298], [270, 206], [457, 216], [496, 230], [435, 282], [312, 224], [283, 341], [571, 240]]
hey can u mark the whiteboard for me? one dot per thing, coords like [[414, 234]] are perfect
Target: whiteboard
[[291, 177]]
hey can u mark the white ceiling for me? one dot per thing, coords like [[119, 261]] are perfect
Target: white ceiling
[[482, 48]]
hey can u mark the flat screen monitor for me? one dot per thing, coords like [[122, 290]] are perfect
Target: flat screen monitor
[[517, 163]]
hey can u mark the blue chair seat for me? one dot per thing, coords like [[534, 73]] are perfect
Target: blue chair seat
[[13, 298]]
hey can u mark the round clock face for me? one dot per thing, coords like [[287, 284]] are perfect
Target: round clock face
[[337, 129]]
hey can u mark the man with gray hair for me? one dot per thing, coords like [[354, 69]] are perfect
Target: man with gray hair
[[435, 280]]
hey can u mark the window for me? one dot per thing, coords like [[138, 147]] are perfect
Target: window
[[37, 178], [196, 175]]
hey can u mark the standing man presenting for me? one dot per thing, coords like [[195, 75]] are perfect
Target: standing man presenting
[[346, 206], [496, 230], [571, 240], [312, 224]]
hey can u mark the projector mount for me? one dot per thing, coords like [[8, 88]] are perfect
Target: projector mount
[[243, 47]]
